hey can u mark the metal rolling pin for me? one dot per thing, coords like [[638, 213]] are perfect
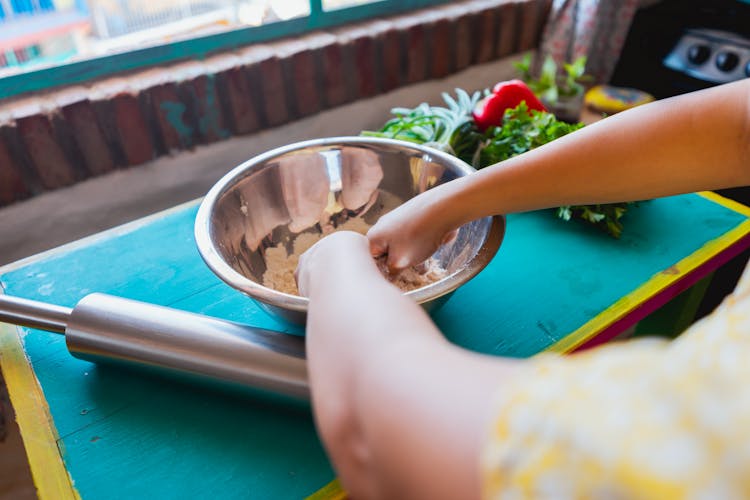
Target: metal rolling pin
[[106, 329]]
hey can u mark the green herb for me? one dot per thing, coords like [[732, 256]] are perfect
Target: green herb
[[452, 129], [519, 133], [606, 217]]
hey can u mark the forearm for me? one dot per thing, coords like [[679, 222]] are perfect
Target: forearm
[[390, 394], [688, 143]]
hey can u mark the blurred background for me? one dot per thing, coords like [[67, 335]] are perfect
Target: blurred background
[[38, 33]]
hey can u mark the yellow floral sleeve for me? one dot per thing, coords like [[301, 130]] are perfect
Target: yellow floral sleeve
[[640, 419]]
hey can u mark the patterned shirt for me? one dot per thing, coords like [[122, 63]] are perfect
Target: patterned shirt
[[644, 418]]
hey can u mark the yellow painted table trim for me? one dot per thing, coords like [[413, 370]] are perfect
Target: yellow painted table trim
[[34, 420], [659, 281], [331, 491]]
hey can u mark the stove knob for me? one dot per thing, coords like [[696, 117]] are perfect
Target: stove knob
[[698, 54], [727, 61]]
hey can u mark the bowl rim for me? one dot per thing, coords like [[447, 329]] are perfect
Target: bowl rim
[[213, 259]]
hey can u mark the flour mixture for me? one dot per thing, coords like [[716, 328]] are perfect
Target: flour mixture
[[279, 274]]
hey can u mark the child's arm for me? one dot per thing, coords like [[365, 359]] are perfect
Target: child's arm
[[698, 141], [402, 412]]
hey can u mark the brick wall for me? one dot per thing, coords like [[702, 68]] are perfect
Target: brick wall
[[52, 140]]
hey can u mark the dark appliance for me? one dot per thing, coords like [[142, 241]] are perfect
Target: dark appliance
[[679, 46]]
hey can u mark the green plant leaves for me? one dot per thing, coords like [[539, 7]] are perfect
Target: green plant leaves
[[554, 83]]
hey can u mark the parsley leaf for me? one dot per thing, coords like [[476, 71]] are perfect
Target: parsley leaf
[[520, 132]]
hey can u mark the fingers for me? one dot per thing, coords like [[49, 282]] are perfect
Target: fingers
[[378, 248], [378, 240], [401, 251], [397, 263]]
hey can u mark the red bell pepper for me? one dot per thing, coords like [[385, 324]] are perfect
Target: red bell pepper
[[505, 95]]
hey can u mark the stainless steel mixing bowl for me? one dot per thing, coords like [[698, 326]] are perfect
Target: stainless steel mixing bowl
[[313, 186]]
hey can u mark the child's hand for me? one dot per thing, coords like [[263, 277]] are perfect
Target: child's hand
[[412, 232], [330, 255]]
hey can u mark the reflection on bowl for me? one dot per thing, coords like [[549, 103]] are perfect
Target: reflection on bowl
[[314, 187]]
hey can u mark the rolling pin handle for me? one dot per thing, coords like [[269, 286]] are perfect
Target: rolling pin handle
[[113, 330], [33, 314]]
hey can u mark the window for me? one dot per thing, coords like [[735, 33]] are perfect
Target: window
[[48, 43]]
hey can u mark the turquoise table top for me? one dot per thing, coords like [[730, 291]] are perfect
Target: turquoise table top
[[99, 432]]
